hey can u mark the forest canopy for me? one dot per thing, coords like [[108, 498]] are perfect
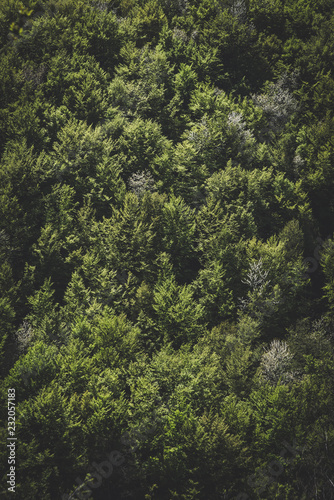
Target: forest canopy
[[167, 251]]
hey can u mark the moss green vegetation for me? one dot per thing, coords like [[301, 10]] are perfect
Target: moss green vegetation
[[167, 261]]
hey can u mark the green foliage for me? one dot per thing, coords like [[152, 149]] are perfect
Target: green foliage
[[327, 261], [177, 317], [79, 83], [214, 295], [8, 298], [127, 239], [261, 194], [67, 26], [166, 190]]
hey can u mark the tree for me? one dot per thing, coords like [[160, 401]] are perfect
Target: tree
[[177, 318]]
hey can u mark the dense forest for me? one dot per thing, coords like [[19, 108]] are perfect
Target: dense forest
[[167, 251]]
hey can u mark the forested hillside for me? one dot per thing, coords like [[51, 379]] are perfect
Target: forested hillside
[[167, 251]]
